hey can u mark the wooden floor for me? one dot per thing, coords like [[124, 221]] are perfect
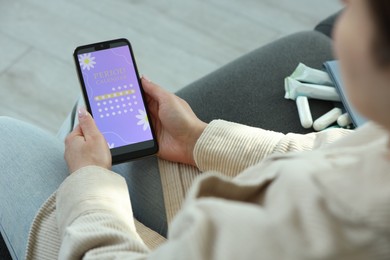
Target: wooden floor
[[175, 42]]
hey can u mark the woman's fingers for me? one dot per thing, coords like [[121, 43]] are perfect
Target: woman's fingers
[[153, 90], [87, 124]]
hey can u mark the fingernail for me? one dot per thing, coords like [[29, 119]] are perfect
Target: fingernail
[[82, 112], [146, 78]]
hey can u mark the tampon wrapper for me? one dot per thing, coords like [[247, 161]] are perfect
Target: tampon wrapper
[[304, 112], [327, 119], [295, 88], [309, 75], [344, 120]]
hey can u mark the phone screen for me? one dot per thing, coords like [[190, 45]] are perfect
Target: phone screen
[[114, 96]]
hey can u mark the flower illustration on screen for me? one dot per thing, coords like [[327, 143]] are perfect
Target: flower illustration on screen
[[87, 61], [143, 119]]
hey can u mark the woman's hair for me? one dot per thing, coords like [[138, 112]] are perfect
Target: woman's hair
[[381, 15]]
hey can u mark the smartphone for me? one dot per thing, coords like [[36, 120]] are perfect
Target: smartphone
[[114, 96]]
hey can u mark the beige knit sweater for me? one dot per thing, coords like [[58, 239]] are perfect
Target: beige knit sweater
[[329, 203]]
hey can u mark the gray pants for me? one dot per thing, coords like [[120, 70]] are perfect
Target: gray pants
[[249, 91]]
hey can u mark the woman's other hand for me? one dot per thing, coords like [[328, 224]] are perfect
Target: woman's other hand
[[85, 145], [177, 127]]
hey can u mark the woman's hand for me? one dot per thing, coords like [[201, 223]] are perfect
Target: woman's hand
[[177, 127], [85, 145]]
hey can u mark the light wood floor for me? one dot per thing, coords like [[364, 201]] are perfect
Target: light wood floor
[[175, 41]]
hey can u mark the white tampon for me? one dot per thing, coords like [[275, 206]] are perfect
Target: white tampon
[[327, 119], [294, 88], [309, 75], [344, 120], [304, 112]]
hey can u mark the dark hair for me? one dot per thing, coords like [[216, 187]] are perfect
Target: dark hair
[[381, 15]]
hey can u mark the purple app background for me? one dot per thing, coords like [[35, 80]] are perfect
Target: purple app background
[[114, 96]]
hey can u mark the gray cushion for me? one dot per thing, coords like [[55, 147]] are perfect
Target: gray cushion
[[327, 25]]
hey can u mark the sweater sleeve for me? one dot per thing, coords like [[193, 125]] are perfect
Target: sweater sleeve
[[249, 219], [230, 148], [94, 216]]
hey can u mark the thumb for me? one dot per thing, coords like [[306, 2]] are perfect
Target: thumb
[[87, 124], [153, 90]]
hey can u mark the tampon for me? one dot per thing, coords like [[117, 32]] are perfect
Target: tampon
[[327, 119], [295, 88], [344, 120], [304, 112], [309, 75]]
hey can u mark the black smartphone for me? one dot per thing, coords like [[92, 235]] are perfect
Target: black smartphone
[[114, 96]]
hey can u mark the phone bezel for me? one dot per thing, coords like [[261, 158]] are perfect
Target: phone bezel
[[132, 151]]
